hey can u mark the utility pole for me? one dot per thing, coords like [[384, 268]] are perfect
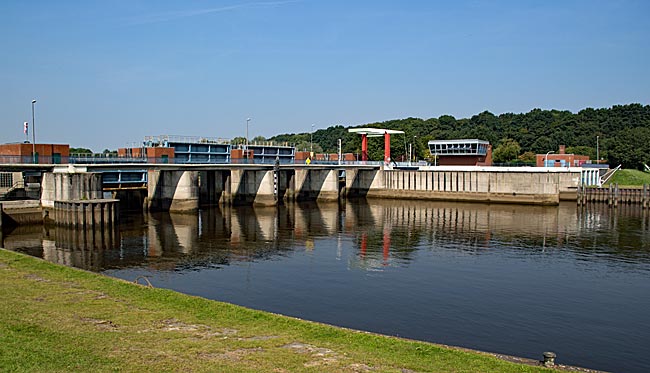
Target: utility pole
[[311, 141], [33, 133], [247, 120]]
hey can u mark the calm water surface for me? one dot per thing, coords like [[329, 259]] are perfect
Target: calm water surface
[[517, 280]]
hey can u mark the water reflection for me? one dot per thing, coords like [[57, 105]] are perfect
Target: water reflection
[[512, 279], [384, 234]]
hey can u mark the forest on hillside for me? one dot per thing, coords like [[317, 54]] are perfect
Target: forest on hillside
[[623, 133]]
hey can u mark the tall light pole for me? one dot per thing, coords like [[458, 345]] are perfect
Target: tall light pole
[[247, 120], [415, 137], [33, 132], [311, 140], [410, 153], [597, 152], [546, 156]]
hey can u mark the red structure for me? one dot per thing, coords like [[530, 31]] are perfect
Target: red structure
[[153, 154], [374, 132], [560, 159], [24, 153]]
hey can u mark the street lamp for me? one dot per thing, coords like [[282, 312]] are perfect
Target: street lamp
[[597, 153], [546, 157], [410, 153], [311, 140], [33, 133], [247, 120], [415, 138]]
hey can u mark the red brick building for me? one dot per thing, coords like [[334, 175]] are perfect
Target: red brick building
[[24, 153], [156, 154], [560, 159]]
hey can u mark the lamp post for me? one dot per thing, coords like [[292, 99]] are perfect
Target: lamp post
[[546, 156], [597, 152], [311, 140], [33, 133], [415, 137], [247, 120], [410, 153]]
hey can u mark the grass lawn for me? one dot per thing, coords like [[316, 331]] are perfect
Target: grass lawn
[[59, 319], [630, 178]]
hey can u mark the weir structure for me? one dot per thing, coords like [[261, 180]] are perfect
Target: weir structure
[[184, 188]]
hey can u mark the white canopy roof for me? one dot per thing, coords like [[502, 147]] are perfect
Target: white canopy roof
[[374, 132]]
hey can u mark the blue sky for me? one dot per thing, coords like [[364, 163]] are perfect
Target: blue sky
[[108, 73]]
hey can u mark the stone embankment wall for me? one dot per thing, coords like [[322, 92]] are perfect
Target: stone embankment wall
[[480, 185]]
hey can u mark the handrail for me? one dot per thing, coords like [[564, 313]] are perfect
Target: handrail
[[609, 175], [16, 185]]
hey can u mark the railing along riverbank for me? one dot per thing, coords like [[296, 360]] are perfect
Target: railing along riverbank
[[613, 195]]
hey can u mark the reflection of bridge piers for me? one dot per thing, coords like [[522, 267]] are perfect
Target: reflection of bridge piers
[[392, 229], [383, 233], [81, 248]]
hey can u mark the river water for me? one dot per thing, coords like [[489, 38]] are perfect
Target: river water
[[517, 280]]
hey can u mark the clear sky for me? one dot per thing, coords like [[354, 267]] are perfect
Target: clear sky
[[107, 73]]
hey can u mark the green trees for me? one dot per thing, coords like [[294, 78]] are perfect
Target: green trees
[[631, 148], [80, 151], [508, 150], [624, 132]]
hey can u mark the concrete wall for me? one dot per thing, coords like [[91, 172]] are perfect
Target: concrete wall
[[358, 182], [13, 213], [70, 186], [531, 187], [252, 187], [176, 191], [316, 184]]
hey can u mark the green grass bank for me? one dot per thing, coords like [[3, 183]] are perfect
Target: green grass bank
[[630, 178], [59, 319]]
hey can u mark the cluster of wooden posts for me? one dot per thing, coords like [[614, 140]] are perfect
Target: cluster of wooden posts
[[613, 195]]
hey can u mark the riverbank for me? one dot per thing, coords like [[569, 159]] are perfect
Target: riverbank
[[55, 318]]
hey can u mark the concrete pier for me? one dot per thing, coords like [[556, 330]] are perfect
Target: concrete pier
[[87, 214], [252, 187], [173, 190], [60, 186], [316, 184]]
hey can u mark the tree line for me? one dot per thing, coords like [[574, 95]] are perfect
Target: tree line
[[620, 135]]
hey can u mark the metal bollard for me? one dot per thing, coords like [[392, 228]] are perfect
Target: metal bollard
[[549, 359]]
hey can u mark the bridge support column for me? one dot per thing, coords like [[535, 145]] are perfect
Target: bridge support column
[[252, 187], [70, 186], [265, 185], [359, 182], [317, 184], [176, 191]]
